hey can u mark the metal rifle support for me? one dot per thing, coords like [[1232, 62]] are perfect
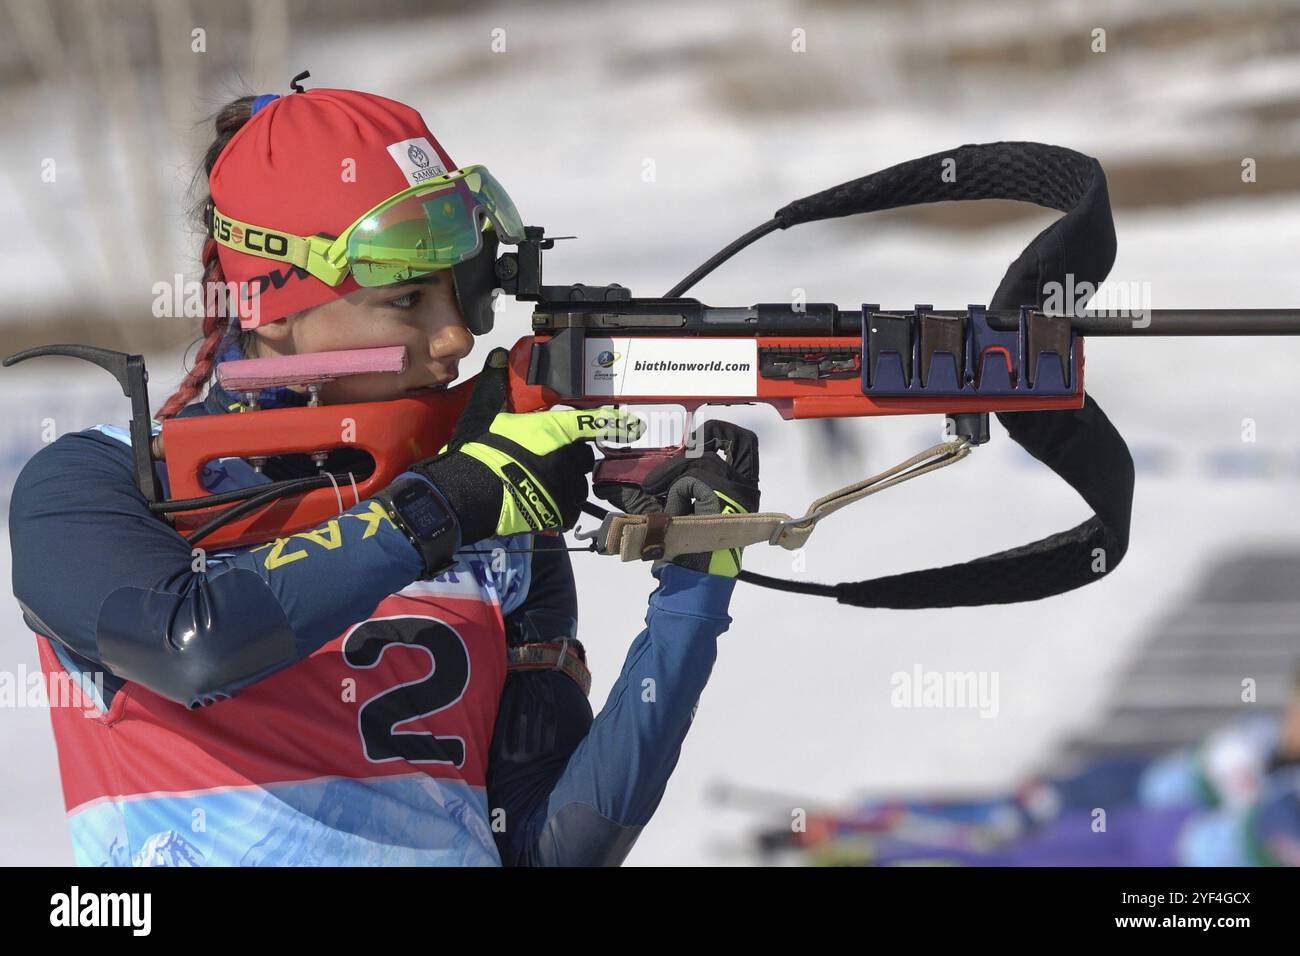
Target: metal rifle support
[[133, 378]]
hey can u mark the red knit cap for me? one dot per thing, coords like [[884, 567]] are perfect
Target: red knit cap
[[311, 163]]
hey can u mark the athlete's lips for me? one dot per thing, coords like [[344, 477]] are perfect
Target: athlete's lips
[[425, 389]]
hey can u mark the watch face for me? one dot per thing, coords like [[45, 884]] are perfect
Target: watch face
[[422, 514]]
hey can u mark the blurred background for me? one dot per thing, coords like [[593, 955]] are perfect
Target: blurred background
[[656, 134]]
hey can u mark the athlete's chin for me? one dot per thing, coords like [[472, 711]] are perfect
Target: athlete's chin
[[356, 391]]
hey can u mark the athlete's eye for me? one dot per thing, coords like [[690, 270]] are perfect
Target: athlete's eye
[[406, 301]]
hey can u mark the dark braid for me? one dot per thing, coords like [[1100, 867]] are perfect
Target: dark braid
[[228, 121]]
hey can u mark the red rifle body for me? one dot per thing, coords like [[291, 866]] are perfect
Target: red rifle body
[[402, 431]]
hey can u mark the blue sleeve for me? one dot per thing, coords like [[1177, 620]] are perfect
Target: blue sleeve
[[115, 584], [578, 791]]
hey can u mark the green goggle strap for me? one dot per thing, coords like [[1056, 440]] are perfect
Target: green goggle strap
[[312, 253]]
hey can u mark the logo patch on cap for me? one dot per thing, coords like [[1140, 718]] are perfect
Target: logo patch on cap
[[417, 160]]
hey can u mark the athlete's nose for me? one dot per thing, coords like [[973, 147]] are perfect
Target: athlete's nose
[[450, 344]]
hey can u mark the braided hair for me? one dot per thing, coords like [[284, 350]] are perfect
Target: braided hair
[[228, 121]]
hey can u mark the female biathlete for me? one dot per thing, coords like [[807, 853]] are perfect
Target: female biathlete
[[381, 689]]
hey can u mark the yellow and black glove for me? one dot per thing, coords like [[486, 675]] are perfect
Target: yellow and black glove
[[505, 473]]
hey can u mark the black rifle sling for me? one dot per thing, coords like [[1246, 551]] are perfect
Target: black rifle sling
[[1080, 445]]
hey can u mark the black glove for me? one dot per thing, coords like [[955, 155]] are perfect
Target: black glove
[[702, 485]]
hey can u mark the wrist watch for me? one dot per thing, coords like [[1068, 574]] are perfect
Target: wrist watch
[[426, 519]]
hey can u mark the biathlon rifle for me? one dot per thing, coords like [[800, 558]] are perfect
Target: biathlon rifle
[[593, 346]]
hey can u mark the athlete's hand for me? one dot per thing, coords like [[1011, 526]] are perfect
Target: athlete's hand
[[506, 473], [706, 484]]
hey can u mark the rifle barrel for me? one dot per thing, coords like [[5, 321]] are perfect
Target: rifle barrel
[[1178, 322], [688, 316]]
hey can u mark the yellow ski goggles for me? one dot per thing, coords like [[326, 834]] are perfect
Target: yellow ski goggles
[[434, 225]]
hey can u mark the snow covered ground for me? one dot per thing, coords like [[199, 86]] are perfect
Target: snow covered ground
[[800, 700]]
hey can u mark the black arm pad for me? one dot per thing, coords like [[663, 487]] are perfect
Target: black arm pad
[[199, 645]]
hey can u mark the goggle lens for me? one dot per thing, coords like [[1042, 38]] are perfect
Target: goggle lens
[[427, 232]]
